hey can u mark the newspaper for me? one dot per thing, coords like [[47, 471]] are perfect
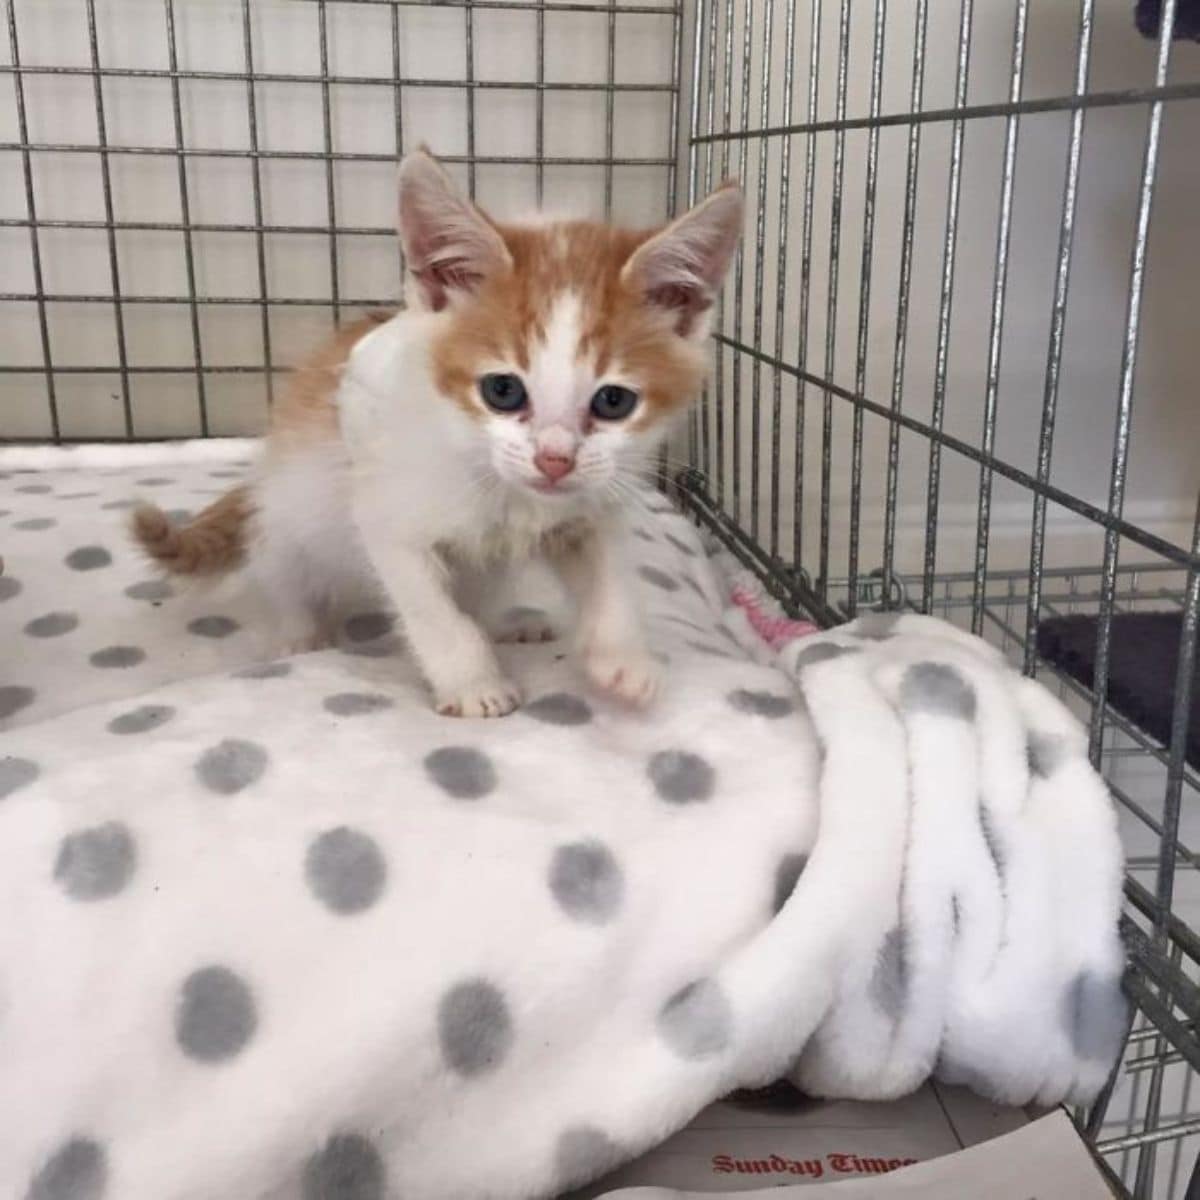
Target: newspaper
[[1044, 1160], [938, 1143]]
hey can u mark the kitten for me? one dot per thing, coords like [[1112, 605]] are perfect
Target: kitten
[[505, 413]]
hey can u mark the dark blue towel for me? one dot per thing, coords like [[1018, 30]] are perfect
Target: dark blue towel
[[1141, 672], [1148, 16]]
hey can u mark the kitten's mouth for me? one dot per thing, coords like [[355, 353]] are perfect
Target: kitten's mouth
[[544, 487]]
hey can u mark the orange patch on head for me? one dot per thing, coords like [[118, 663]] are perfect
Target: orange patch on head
[[620, 330]]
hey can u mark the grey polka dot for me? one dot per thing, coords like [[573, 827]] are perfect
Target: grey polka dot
[[761, 704], [809, 656], [213, 626], [178, 516], [118, 657], [384, 648], [680, 777], [1096, 1015], [215, 1016], [119, 504], [225, 474], [53, 624], [660, 579], [938, 690], [156, 481], [355, 704], [526, 624], [461, 771], [691, 583], [875, 625], [96, 863], [35, 524], [347, 1167], [583, 1153], [475, 1028], [680, 545], [231, 765], [76, 495], [587, 882], [271, 670], [142, 719], [644, 534], [366, 627], [559, 708], [346, 870], [88, 558], [9, 587], [13, 698], [150, 589], [76, 1171], [1046, 752], [889, 983], [525, 612], [16, 773], [35, 489], [787, 875], [697, 1021]]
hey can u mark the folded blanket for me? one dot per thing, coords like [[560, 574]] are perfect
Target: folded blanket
[[277, 930], [971, 856]]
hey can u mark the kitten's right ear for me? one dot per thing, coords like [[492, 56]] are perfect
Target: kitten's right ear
[[450, 247]]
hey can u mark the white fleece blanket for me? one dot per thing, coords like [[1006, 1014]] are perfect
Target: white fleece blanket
[[276, 930]]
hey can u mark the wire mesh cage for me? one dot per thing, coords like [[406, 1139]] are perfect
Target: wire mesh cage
[[193, 189], [954, 361], [950, 303]]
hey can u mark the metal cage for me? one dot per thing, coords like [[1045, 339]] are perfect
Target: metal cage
[[950, 304]]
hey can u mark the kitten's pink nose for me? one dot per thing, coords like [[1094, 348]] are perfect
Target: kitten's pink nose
[[554, 466]]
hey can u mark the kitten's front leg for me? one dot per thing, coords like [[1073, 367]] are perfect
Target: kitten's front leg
[[452, 651], [611, 640]]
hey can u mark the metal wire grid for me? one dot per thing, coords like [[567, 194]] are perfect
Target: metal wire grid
[[245, 72], [746, 482]]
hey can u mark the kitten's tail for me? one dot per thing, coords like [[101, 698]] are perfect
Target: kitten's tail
[[211, 543]]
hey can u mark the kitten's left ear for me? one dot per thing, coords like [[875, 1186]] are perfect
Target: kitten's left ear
[[450, 247], [681, 267]]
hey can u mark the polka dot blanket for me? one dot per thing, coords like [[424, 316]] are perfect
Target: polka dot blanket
[[274, 930]]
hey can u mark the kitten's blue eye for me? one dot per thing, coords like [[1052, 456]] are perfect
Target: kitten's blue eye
[[503, 393], [612, 403]]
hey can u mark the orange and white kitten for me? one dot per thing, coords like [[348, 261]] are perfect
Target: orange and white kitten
[[503, 414]]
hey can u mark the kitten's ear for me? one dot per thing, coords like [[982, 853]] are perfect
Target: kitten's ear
[[681, 267], [450, 247]]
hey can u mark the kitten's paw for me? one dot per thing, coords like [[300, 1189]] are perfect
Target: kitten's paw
[[492, 696], [631, 676], [525, 625]]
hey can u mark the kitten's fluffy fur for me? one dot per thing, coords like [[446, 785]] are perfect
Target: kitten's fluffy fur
[[383, 454]]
